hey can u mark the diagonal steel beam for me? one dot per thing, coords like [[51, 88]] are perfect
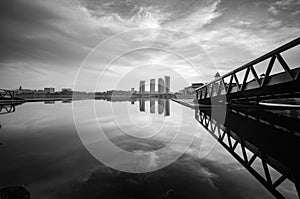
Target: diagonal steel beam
[[285, 66]]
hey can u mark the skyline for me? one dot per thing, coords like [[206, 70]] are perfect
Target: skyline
[[149, 86], [139, 98], [44, 43]]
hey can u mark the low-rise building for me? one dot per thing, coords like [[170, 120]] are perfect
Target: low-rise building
[[24, 91], [49, 90], [66, 90]]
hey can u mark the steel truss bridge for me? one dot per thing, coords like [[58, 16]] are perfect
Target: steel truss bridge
[[263, 141], [7, 94], [233, 87]]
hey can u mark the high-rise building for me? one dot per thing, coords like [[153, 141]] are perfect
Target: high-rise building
[[167, 84], [142, 87], [152, 86], [161, 86]]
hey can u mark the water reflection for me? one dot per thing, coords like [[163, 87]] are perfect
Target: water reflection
[[45, 152], [49, 102], [160, 107], [163, 105], [142, 104], [167, 107], [8, 108], [141, 129], [251, 134], [69, 100], [152, 105]]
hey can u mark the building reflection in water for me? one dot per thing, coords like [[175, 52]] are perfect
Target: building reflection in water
[[163, 105], [167, 107], [142, 104], [49, 102], [152, 105], [68, 100]]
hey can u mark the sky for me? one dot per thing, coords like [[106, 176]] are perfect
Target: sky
[[96, 44]]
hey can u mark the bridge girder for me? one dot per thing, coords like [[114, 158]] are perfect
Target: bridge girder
[[228, 87]]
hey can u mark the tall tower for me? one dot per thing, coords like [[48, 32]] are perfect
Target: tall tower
[[142, 87], [152, 86], [161, 86], [217, 75], [167, 84]]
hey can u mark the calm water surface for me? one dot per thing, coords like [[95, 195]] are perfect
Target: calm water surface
[[42, 149]]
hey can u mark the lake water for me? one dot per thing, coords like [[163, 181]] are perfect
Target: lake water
[[160, 151]]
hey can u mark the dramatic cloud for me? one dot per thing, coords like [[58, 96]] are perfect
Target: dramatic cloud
[[186, 178], [43, 43]]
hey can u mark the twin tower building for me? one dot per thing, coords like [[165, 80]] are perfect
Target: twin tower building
[[163, 86]]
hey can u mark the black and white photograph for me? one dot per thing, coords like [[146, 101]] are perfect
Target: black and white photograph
[[149, 99]]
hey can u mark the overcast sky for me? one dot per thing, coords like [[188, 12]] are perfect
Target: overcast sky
[[43, 43]]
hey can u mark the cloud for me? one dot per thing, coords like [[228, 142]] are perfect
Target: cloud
[[286, 4], [57, 35], [273, 10], [202, 178], [43, 31], [204, 14], [123, 15], [283, 5]]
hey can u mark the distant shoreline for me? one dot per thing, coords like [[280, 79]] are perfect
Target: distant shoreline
[[37, 100]]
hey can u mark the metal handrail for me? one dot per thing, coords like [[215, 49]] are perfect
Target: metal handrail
[[281, 49]]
